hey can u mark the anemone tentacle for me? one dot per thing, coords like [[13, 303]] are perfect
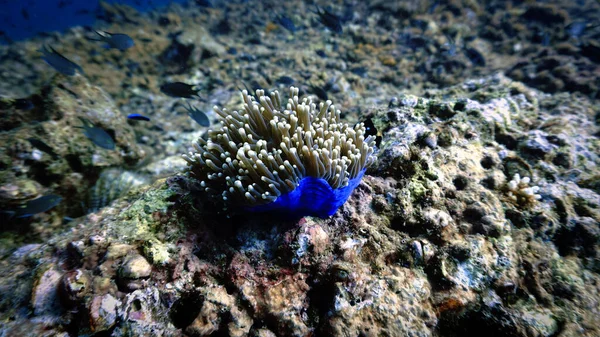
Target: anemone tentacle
[[266, 149]]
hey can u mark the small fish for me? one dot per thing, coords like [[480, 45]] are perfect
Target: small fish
[[121, 42], [222, 27], [330, 20], [204, 3], [25, 13], [286, 23], [138, 117], [35, 206], [320, 92], [23, 104], [360, 71], [321, 53], [97, 135], [197, 115], [577, 28], [38, 144], [475, 56], [5, 37], [419, 23], [63, 3], [414, 42], [285, 80], [179, 89], [371, 130], [60, 63]]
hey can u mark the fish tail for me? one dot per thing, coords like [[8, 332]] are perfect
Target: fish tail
[[44, 49], [103, 34], [86, 123]]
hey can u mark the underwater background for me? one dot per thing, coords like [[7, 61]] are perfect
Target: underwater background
[[299, 168]]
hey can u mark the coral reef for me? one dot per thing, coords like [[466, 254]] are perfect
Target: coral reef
[[431, 242], [427, 245], [271, 152]]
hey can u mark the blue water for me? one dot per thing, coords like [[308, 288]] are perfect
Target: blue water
[[21, 19]]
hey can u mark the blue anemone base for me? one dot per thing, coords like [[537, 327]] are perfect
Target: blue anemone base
[[313, 196]]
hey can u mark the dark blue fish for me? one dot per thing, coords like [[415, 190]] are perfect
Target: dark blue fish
[[97, 135], [138, 117], [419, 23], [204, 3], [121, 42], [38, 144], [197, 115], [474, 56], [179, 89], [320, 92], [577, 28], [83, 12], [63, 3], [35, 206], [360, 71], [414, 42], [23, 104], [371, 130], [285, 80], [330, 20], [60, 63], [286, 23]]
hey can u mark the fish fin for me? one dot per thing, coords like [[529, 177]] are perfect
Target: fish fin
[[189, 108], [103, 34], [11, 214], [86, 123], [45, 49]]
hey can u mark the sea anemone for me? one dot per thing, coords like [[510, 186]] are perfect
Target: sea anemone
[[293, 158]]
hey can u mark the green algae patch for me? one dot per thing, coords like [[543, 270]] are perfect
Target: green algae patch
[[149, 220], [417, 189]]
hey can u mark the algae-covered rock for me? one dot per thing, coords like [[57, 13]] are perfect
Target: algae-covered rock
[[53, 151], [431, 243]]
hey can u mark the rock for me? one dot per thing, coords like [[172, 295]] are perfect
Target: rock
[[73, 287], [537, 144], [103, 312], [204, 44], [133, 268], [44, 295]]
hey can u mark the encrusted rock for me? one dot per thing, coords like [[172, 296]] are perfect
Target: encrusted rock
[[103, 312], [73, 287], [44, 295], [134, 268]]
